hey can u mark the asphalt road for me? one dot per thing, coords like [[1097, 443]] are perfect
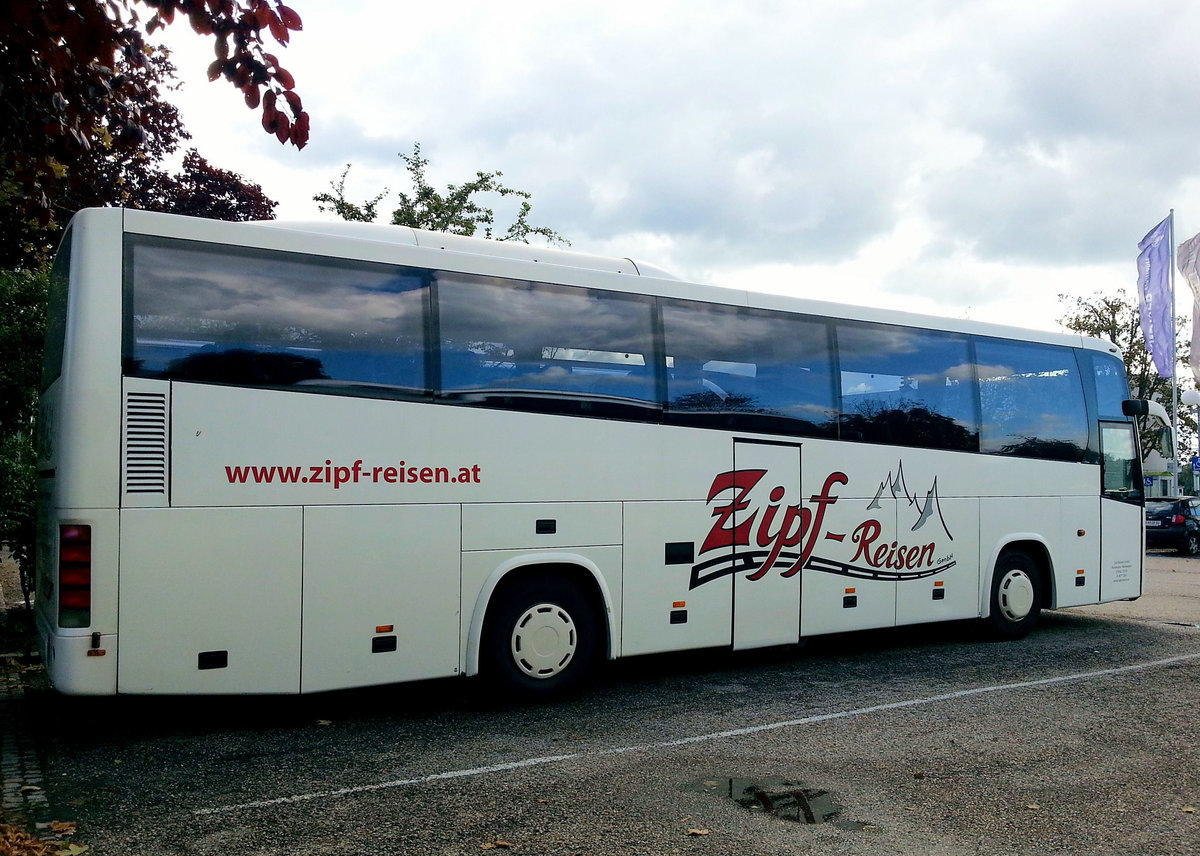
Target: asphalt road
[[1081, 739]]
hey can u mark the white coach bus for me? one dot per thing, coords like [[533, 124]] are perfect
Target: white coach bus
[[290, 459]]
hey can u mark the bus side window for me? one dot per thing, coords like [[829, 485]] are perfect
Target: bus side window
[[528, 345], [1032, 400], [748, 369], [906, 386]]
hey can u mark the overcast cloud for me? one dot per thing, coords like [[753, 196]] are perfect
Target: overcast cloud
[[965, 159]]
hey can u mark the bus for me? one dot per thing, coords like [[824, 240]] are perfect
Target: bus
[[294, 458]]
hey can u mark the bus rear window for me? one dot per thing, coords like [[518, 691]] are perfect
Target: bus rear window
[[56, 314]]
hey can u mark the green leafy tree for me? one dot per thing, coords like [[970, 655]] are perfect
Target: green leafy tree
[[22, 329], [1116, 318], [457, 211]]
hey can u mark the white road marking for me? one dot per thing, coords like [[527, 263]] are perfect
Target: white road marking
[[698, 738]]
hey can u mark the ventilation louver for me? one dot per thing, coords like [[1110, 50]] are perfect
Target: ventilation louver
[[145, 442]]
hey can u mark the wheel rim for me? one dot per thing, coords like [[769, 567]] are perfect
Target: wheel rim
[[1016, 595], [544, 641]]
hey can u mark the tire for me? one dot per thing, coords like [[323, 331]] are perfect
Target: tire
[[1191, 544], [541, 637], [1016, 595]]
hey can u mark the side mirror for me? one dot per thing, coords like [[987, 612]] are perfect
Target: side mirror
[[1135, 407]]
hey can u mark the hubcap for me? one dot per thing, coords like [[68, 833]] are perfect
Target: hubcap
[[1016, 595], [544, 641]]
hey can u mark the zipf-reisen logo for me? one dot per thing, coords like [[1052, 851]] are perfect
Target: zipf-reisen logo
[[755, 539]]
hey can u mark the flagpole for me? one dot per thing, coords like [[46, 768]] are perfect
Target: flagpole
[[1174, 368]]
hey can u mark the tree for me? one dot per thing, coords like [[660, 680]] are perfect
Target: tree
[[22, 329], [457, 211], [1117, 319], [78, 75], [203, 190]]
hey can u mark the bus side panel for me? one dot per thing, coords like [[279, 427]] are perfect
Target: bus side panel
[[1077, 566], [380, 594], [1123, 552], [953, 592], [210, 600], [674, 597]]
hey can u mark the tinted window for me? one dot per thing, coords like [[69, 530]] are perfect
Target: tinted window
[[1032, 401], [748, 369], [256, 318], [1111, 386], [1120, 467], [544, 347], [905, 386], [56, 313]]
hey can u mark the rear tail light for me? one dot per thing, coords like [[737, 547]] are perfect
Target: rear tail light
[[74, 576], [1177, 519]]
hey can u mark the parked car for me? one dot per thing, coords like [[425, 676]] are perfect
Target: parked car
[[1173, 522]]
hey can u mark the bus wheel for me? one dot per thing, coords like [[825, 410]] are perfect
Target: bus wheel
[[541, 637], [1016, 595]]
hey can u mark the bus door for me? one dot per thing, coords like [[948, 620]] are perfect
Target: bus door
[[1121, 547], [766, 592]]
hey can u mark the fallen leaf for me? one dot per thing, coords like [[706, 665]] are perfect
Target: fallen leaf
[[697, 832], [72, 850], [543, 800], [1190, 809], [324, 722], [919, 774], [63, 827], [1033, 807], [498, 844], [29, 789]]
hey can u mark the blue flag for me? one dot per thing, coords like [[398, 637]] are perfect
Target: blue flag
[[1154, 294]]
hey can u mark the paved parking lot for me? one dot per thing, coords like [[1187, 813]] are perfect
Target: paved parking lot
[[1079, 739]]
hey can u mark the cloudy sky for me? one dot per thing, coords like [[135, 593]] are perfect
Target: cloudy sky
[[970, 159]]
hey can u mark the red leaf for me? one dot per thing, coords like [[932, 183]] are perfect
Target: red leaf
[[214, 69], [271, 59], [252, 96], [290, 18], [285, 78], [262, 14], [270, 117], [200, 22], [278, 30], [269, 100], [282, 127], [293, 101]]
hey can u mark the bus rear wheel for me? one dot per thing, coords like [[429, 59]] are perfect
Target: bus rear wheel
[[1016, 595], [541, 637]]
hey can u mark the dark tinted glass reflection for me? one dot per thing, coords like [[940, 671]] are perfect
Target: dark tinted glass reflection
[[546, 347], [906, 386], [748, 369], [1032, 400], [270, 319]]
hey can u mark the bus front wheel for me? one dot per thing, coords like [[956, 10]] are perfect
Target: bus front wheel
[[1016, 595], [541, 637]]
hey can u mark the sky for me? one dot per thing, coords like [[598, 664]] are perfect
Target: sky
[[965, 159]]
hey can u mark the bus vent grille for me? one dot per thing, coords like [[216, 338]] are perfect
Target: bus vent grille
[[145, 442]]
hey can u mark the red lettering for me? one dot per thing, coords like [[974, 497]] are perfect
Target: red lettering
[[722, 535], [864, 536]]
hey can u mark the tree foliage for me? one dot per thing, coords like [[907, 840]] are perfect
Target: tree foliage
[[1116, 318], [457, 211], [78, 76], [203, 190], [22, 329]]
